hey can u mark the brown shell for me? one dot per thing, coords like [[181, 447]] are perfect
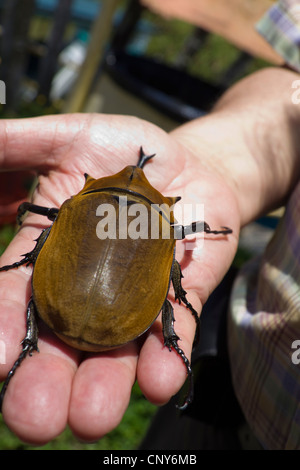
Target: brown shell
[[97, 294]]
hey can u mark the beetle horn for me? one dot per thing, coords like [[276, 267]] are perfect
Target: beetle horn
[[143, 158]]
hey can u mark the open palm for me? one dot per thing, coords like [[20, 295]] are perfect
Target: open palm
[[88, 391]]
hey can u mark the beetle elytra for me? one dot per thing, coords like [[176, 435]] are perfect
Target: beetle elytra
[[98, 294]]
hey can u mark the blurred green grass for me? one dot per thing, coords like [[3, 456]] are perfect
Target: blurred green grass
[[212, 59], [6, 235]]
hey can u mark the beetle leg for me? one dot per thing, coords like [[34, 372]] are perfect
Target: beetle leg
[[180, 295], [31, 256], [29, 344], [181, 231], [171, 341], [143, 158], [50, 212]]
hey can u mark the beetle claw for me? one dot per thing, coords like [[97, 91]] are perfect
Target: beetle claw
[[187, 401], [180, 295], [171, 341], [168, 342], [190, 393]]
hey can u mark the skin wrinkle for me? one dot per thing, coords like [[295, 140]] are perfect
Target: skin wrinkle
[[121, 356], [13, 302], [213, 164], [172, 186], [78, 135], [80, 132], [56, 149], [47, 194], [87, 139], [278, 152], [52, 145]]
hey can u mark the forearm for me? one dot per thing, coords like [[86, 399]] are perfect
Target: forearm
[[252, 140], [231, 19]]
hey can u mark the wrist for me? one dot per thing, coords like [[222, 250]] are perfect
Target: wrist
[[220, 150]]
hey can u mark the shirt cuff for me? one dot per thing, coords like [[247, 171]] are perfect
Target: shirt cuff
[[280, 26]]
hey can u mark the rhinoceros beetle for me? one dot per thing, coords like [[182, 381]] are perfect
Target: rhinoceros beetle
[[98, 293]]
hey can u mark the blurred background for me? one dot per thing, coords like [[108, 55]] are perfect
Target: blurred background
[[120, 56]]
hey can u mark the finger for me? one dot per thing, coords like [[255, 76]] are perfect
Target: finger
[[15, 291], [85, 143], [101, 392], [30, 143], [162, 373], [36, 403], [30, 402]]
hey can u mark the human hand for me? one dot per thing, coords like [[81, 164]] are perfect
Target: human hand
[[60, 385]]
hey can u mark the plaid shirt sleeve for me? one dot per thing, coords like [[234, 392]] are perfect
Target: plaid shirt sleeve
[[264, 313], [280, 26], [264, 336]]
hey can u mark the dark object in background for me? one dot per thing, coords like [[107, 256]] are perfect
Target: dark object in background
[[16, 17]]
